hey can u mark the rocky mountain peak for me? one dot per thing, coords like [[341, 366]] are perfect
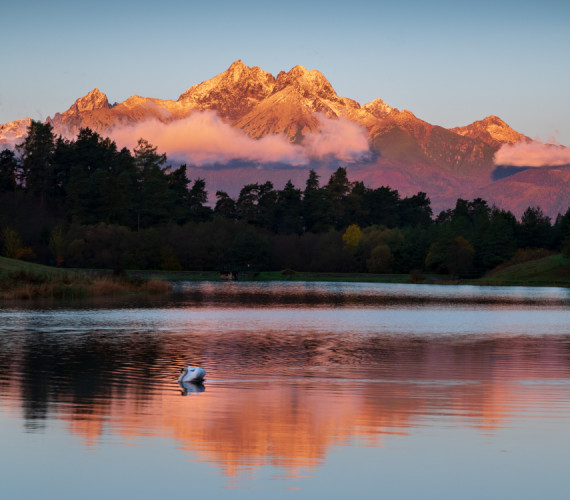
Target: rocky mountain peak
[[93, 100], [378, 108], [493, 120], [231, 93], [298, 72], [307, 82], [236, 80], [236, 70], [492, 130]]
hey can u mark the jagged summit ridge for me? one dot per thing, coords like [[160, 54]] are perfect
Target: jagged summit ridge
[[260, 104], [492, 130], [93, 100], [312, 82], [231, 93], [379, 108]]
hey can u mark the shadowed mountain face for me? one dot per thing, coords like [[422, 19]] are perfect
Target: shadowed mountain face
[[299, 109], [546, 187]]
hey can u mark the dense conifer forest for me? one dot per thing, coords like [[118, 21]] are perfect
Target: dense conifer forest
[[85, 203]]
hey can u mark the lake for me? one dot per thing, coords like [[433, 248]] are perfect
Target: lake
[[313, 390]]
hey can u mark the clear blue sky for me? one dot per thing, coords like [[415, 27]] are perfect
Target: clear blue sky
[[448, 62]]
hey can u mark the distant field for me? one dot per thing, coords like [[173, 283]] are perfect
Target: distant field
[[552, 270]]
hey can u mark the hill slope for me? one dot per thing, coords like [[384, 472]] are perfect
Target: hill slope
[[554, 270]]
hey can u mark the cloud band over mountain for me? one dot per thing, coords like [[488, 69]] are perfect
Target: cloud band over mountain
[[204, 139], [532, 154]]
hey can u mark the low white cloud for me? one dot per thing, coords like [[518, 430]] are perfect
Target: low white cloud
[[532, 154], [204, 139], [339, 138]]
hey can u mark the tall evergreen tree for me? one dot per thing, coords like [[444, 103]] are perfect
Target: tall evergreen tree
[[8, 171], [288, 210], [37, 154], [337, 189], [197, 198], [535, 229], [246, 204], [225, 206], [416, 210], [316, 205], [153, 193], [383, 206]]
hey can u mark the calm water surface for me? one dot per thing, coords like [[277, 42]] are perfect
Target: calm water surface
[[314, 390]]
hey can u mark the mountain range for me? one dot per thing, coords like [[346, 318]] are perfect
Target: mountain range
[[246, 125]]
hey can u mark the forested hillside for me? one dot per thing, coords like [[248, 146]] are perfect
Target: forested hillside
[[85, 203]]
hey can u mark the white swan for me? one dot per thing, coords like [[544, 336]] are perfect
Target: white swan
[[189, 388], [192, 374]]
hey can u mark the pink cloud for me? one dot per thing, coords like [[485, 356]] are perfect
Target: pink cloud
[[204, 139], [532, 154], [340, 138]]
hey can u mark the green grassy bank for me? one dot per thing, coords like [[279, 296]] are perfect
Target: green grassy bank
[[553, 270], [25, 280]]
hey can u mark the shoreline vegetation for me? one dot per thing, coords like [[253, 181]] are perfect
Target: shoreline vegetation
[[21, 280], [25, 281]]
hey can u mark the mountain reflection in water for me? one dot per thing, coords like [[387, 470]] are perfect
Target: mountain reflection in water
[[285, 384]]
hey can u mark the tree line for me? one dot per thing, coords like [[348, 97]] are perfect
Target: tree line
[[86, 203]]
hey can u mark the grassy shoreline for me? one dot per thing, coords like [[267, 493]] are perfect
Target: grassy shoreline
[[553, 270], [25, 280]]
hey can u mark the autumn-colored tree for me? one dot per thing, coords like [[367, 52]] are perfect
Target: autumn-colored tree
[[352, 236]]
